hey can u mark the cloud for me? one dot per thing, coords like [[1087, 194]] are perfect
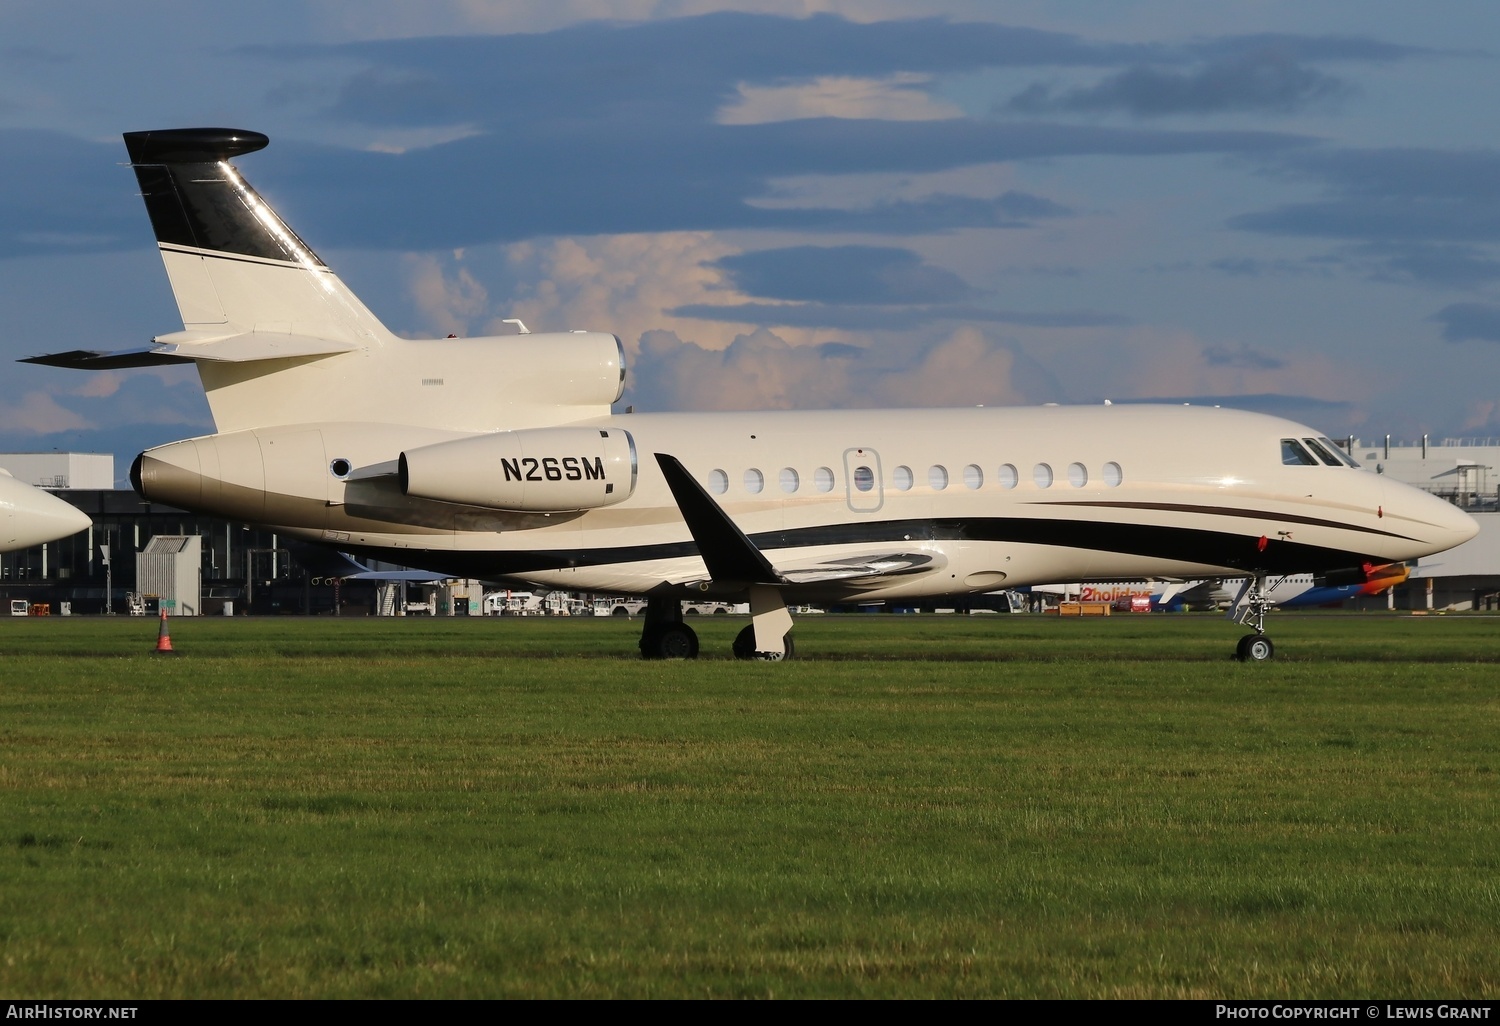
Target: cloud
[[1388, 195], [450, 302], [761, 370], [1265, 80], [1305, 408], [758, 371], [120, 412], [879, 275], [64, 195], [37, 413], [877, 318], [1176, 366], [664, 176], [1317, 48], [1241, 356], [1251, 267], [894, 98], [625, 284], [467, 141], [1439, 265], [1416, 215], [1464, 321], [685, 67], [965, 369]]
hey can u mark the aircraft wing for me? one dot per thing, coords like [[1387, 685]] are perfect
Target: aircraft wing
[[858, 568], [189, 346], [731, 557], [852, 569]]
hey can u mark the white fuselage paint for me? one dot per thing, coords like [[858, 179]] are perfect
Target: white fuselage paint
[[1200, 492]]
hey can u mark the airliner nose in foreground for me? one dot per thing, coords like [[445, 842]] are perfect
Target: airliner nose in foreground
[[29, 516]]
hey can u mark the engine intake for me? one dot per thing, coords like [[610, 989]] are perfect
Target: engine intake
[[539, 470]]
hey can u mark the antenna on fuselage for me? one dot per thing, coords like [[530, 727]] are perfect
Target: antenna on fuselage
[[517, 322]]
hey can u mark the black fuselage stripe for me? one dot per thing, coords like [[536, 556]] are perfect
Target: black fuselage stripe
[[1180, 544], [1230, 511]]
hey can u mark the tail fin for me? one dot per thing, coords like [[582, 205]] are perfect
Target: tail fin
[[279, 340], [235, 266]]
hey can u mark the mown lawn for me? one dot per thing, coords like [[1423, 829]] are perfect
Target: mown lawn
[[916, 806]]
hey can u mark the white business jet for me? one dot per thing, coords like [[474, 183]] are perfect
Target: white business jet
[[500, 457], [30, 516]]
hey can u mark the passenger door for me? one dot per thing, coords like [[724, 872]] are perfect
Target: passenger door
[[863, 480]]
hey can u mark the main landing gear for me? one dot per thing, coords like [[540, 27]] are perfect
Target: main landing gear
[[664, 635], [1250, 608], [768, 638]]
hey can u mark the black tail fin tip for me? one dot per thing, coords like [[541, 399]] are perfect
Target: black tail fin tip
[[196, 203], [191, 145]]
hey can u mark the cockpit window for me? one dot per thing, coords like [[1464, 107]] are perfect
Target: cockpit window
[[1338, 450], [1323, 454], [1293, 455]]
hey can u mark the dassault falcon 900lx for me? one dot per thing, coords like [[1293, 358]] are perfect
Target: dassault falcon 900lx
[[500, 457]]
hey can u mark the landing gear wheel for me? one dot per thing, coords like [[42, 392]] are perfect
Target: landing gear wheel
[[744, 647], [670, 641], [1254, 648]]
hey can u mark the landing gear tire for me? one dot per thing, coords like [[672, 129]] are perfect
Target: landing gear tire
[[744, 647], [670, 641], [1254, 648]]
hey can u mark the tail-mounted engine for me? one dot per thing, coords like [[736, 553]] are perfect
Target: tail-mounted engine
[[541, 470]]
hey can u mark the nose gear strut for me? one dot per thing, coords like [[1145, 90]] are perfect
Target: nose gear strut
[[1249, 608]]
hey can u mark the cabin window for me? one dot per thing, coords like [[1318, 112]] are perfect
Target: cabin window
[[902, 479], [973, 477], [1322, 453], [718, 482], [1293, 455], [864, 478], [1042, 475], [754, 481], [823, 479], [1078, 475], [1008, 477], [937, 477], [789, 480], [1112, 474]]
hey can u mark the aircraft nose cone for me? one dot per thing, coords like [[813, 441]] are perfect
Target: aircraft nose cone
[[1457, 524], [1438, 523]]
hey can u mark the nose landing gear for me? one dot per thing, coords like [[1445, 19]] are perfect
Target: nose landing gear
[[1250, 608]]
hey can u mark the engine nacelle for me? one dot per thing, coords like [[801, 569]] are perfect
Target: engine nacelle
[[539, 470]]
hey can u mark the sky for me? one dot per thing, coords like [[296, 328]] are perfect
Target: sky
[[1291, 207]]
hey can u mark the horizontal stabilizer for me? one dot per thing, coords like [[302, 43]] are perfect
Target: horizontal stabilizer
[[185, 347], [730, 556], [252, 346], [97, 360]]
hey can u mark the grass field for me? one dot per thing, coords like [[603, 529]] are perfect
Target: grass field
[[917, 806]]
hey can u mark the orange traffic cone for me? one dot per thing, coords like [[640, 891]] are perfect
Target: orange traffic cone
[[163, 639]]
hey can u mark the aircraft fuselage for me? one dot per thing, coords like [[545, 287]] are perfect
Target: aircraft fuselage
[[998, 498]]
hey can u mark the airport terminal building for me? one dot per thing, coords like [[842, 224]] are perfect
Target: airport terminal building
[[252, 570]]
